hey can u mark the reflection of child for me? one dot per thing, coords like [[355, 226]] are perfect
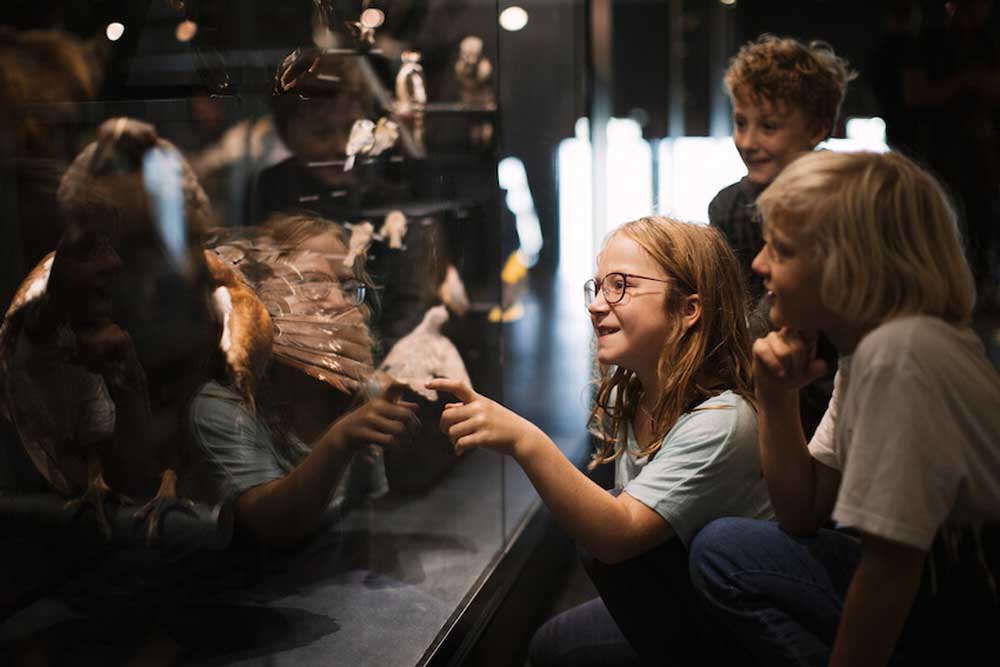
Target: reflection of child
[[786, 97], [678, 422], [314, 119], [863, 247], [281, 486]]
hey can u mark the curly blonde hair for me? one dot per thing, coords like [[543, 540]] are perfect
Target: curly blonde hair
[[773, 70], [695, 363]]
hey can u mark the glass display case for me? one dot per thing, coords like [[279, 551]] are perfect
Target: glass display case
[[228, 226], [268, 217]]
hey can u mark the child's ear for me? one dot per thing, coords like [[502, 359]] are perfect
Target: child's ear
[[690, 311], [820, 132]]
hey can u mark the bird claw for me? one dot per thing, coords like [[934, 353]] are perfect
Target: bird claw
[[97, 495], [155, 509]]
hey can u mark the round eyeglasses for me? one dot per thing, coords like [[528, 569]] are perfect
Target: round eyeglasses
[[355, 291], [612, 286]]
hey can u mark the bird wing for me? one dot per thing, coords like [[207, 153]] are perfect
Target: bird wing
[[314, 328], [247, 334], [56, 407]]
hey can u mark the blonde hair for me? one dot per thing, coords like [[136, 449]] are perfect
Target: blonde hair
[[704, 360], [883, 231], [810, 77]]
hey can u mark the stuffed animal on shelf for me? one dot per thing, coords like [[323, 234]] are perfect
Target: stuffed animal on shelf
[[105, 338], [475, 79], [360, 141], [425, 353], [394, 229], [411, 97]]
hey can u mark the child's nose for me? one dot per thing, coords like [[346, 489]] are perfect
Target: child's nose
[[759, 264], [747, 138], [598, 305]]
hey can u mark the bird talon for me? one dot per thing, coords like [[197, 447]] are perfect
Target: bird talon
[[98, 495], [156, 509]]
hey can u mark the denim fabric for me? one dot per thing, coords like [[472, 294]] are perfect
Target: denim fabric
[[781, 595], [584, 636]]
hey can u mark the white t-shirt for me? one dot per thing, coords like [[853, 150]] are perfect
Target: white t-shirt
[[914, 428], [707, 467]]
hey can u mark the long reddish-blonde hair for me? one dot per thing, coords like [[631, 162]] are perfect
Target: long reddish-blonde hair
[[694, 364]]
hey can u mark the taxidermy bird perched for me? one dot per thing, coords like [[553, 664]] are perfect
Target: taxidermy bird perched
[[109, 336], [411, 97], [361, 140], [424, 354], [295, 267], [475, 79]]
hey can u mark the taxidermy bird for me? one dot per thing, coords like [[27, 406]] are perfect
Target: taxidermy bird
[[425, 353], [312, 300], [386, 135], [359, 141], [361, 239], [411, 97], [393, 229], [108, 336]]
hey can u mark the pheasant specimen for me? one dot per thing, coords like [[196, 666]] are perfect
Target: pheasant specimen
[[295, 266], [103, 341]]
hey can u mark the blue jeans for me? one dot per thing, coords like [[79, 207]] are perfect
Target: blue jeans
[[780, 595], [584, 636]]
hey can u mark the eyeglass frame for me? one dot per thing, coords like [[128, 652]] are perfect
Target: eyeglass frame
[[599, 285], [356, 290]]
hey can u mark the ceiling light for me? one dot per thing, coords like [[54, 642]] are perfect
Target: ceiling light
[[372, 18], [115, 31], [186, 30], [513, 18]]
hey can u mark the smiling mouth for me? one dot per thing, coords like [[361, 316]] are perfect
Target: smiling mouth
[[605, 331]]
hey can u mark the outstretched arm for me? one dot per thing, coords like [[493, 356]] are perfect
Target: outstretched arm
[[284, 510], [802, 489], [611, 529]]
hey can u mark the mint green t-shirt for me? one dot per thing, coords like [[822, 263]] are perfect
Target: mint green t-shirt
[[708, 467], [231, 451]]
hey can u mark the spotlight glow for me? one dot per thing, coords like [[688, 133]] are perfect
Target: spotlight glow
[[372, 18], [186, 30], [513, 18], [115, 31]]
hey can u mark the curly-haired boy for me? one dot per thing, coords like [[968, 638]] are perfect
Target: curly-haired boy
[[786, 97]]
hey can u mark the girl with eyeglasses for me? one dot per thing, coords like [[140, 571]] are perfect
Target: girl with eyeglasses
[[282, 459], [674, 413]]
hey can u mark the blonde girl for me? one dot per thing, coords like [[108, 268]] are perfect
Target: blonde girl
[[675, 407], [863, 248]]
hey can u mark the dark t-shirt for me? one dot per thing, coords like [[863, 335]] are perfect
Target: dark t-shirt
[[733, 212]]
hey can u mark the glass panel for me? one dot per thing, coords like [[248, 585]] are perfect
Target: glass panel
[[547, 331], [279, 221]]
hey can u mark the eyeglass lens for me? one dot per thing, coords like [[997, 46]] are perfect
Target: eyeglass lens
[[613, 287]]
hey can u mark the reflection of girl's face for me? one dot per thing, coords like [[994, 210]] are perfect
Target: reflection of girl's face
[[314, 283]]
